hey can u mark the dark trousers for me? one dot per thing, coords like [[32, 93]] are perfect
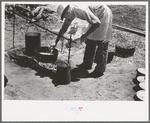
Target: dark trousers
[[96, 51]]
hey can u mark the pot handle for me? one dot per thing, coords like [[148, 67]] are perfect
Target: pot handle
[[33, 26]]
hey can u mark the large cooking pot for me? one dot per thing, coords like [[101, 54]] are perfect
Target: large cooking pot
[[32, 41], [43, 54], [123, 52]]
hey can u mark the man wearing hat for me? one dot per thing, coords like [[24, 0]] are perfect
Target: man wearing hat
[[96, 38]]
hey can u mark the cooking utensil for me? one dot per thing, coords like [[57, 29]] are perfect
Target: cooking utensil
[[32, 41], [44, 55]]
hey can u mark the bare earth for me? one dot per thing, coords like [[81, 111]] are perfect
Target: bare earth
[[26, 83]]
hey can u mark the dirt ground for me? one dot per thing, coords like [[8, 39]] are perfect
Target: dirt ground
[[28, 83]]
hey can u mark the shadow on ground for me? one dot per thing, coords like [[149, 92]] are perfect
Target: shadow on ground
[[78, 73]]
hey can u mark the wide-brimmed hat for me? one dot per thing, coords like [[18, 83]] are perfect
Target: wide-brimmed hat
[[62, 9]]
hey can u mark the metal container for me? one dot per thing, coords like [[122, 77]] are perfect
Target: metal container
[[140, 96], [32, 41], [139, 79], [122, 52], [140, 72], [142, 86], [42, 54], [63, 74]]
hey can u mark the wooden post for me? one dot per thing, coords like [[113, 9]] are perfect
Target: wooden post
[[62, 45], [13, 28], [69, 48]]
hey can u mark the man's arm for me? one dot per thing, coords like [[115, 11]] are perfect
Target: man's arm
[[92, 29], [94, 21], [63, 30]]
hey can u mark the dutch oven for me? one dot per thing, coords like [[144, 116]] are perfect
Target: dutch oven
[[43, 54], [123, 52]]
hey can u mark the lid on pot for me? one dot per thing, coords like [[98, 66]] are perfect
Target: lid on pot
[[142, 85], [141, 94], [141, 70], [141, 79]]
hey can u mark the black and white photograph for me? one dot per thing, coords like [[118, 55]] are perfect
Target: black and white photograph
[[75, 57]]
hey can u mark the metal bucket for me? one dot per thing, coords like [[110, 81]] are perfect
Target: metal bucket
[[63, 74], [32, 41]]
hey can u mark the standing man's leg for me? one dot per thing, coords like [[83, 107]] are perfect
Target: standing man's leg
[[100, 59], [89, 54]]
